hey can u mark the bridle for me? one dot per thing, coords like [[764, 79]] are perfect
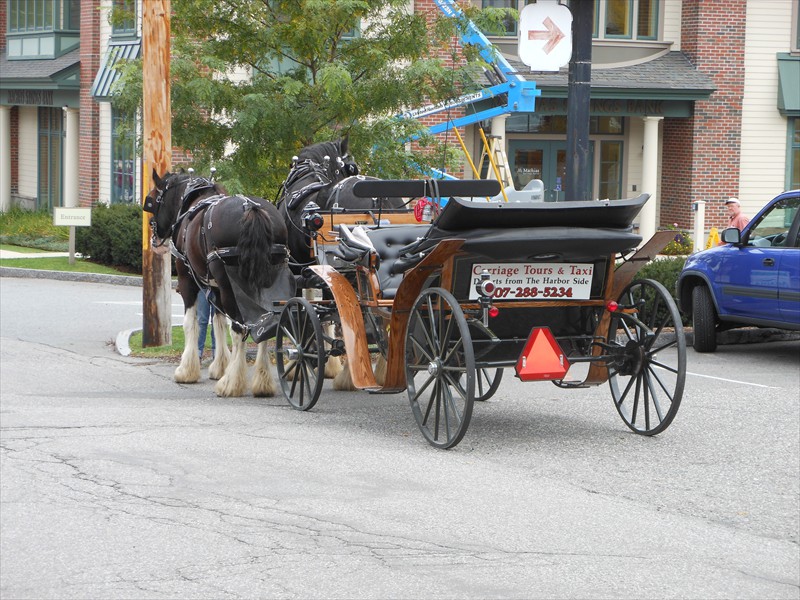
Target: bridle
[[153, 205]]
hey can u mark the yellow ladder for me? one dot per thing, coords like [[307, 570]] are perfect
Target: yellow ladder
[[498, 161]]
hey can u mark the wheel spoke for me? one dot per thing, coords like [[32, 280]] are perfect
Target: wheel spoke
[[625, 393], [654, 397], [636, 398], [663, 366], [660, 382], [668, 344]]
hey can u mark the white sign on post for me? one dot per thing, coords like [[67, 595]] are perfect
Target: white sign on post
[[545, 35], [72, 216]]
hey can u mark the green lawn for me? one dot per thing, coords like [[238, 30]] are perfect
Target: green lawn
[[21, 249], [173, 351], [61, 263]]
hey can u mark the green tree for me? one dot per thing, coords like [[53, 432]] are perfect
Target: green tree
[[318, 70]]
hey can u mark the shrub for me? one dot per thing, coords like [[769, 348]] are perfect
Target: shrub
[[681, 245], [32, 229], [115, 237], [666, 272]]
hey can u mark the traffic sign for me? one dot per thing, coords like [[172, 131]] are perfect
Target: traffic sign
[[545, 35]]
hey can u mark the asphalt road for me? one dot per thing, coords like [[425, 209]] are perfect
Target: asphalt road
[[119, 483]]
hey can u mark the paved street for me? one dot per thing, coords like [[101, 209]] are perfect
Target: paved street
[[119, 483]]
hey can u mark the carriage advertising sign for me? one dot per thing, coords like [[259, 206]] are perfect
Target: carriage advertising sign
[[536, 281]]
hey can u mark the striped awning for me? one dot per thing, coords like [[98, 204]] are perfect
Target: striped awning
[[107, 75]]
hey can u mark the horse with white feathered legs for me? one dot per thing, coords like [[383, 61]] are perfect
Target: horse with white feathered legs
[[234, 246]]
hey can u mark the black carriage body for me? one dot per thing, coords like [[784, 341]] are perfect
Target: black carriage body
[[547, 240]]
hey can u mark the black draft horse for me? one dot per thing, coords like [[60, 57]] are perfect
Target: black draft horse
[[216, 239], [325, 174]]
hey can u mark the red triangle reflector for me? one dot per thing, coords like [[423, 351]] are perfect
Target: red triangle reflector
[[542, 358]]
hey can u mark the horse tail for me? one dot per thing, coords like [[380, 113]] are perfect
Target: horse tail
[[255, 246]]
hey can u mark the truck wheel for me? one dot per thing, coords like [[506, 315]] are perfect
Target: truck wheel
[[704, 320]]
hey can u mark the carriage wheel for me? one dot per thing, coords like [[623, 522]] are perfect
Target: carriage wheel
[[647, 374], [300, 353], [440, 368], [486, 383]]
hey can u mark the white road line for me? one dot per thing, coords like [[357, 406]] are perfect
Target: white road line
[[772, 387]]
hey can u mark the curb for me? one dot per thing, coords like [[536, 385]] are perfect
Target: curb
[[131, 280]]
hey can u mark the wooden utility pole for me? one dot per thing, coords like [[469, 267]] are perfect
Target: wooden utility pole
[[157, 132]]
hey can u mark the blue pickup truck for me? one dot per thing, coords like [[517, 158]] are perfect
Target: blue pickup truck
[[752, 278]]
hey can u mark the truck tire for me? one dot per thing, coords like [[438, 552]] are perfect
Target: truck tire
[[704, 320]]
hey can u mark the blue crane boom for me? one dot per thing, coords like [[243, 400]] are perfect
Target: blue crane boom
[[511, 91]]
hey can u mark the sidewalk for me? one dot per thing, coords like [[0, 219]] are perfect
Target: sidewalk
[[12, 254]]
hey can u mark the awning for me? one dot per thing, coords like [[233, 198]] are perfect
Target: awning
[[107, 75], [789, 85]]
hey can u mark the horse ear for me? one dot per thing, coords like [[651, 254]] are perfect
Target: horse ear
[[343, 143], [156, 178]]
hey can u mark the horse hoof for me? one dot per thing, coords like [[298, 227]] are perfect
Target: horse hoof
[[187, 375]]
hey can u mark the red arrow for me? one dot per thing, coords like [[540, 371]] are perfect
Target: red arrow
[[553, 35]]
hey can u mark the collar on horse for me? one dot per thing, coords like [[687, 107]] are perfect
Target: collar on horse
[[194, 186], [299, 171]]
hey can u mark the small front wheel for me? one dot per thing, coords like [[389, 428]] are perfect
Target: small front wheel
[[486, 383], [300, 353], [440, 368], [648, 370]]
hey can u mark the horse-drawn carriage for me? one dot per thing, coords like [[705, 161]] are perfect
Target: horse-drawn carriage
[[486, 286], [547, 289]]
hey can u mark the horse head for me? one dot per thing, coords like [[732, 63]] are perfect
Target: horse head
[[334, 158], [163, 203]]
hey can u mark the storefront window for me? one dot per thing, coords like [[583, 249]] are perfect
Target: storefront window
[[610, 170], [557, 124], [51, 134]]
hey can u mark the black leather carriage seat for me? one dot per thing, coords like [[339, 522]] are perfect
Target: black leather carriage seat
[[388, 243]]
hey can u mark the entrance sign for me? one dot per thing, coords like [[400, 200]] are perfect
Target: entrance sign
[[72, 217], [545, 35], [76, 217]]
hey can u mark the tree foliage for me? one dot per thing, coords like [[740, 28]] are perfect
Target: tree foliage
[[317, 70]]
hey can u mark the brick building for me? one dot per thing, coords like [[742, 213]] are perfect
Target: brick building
[[690, 100]]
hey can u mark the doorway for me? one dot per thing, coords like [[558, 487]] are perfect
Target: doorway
[[541, 159]]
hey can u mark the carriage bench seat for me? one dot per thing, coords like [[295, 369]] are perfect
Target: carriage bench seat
[[389, 243]]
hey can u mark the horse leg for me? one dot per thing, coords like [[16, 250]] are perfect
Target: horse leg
[[333, 366], [222, 354], [344, 381], [380, 370], [263, 381], [189, 369], [234, 381]]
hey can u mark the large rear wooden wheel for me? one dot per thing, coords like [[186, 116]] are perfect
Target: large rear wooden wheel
[[440, 368], [648, 370]]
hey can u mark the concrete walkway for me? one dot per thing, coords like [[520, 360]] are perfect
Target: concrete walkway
[[12, 254]]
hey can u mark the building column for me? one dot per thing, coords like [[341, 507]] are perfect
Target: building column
[[5, 158], [71, 154], [648, 216], [499, 132]]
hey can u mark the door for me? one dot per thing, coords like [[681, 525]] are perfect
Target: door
[[539, 159], [760, 279]]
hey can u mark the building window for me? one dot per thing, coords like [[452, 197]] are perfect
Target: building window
[[796, 25], [32, 16], [123, 19], [794, 154], [51, 135], [509, 23], [618, 18], [123, 158], [610, 170]]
